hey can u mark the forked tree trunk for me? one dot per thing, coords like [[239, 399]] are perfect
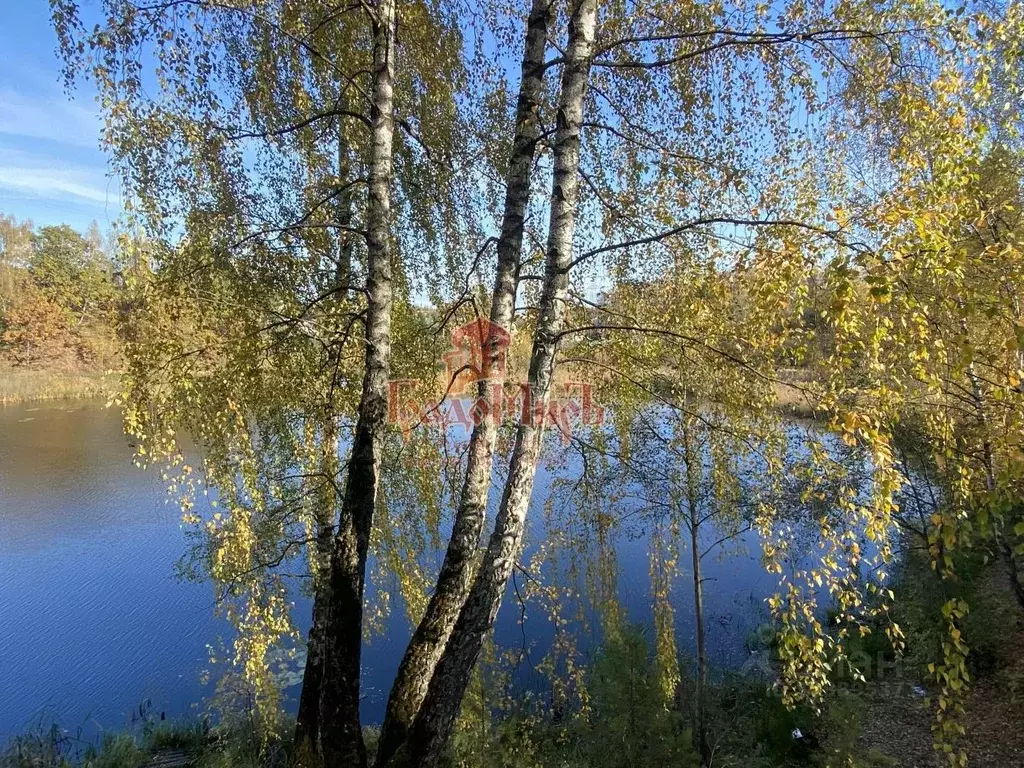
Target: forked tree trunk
[[436, 718], [341, 740], [307, 723], [456, 575]]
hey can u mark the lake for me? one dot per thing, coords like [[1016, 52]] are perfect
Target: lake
[[95, 622]]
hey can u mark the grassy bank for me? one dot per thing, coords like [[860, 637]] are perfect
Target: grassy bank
[[884, 722], [24, 386], [190, 743], [627, 729], [627, 723]]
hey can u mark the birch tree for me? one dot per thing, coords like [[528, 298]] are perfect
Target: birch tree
[[261, 169], [455, 578], [304, 171], [341, 736], [434, 722]]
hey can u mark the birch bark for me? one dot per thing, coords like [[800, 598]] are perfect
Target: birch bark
[[341, 740], [434, 722], [456, 575]]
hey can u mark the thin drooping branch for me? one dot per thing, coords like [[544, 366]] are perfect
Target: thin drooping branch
[[650, 146], [436, 718], [739, 34], [156, 9], [296, 126], [833, 234], [457, 570]]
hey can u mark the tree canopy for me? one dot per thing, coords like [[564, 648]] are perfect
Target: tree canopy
[[700, 209]]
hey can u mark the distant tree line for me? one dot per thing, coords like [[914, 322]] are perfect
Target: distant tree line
[[59, 292]]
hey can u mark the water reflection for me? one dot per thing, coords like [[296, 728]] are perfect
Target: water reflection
[[93, 619]]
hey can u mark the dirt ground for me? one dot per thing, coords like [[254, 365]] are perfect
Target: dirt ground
[[897, 721]]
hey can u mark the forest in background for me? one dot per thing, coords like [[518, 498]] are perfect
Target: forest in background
[[60, 293]]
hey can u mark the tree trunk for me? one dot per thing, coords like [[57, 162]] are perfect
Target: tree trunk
[[1005, 550], [341, 736], [700, 719], [436, 718], [455, 578], [307, 723], [1012, 570]]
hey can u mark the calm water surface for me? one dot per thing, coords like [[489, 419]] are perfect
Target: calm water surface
[[94, 620]]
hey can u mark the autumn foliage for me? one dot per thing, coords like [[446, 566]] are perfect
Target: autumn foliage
[[58, 299]]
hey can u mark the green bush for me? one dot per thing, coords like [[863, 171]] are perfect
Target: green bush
[[628, 724]]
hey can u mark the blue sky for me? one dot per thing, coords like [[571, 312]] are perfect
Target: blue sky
[[51, 167]]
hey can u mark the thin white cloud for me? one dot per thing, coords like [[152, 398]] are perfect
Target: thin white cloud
[[58, 183], [51, 116]]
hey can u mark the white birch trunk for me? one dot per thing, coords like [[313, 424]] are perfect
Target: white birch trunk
[[456, 575], [341, 740], [434, 723]]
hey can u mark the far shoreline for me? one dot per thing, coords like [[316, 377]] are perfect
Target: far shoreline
[[31, 386]]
